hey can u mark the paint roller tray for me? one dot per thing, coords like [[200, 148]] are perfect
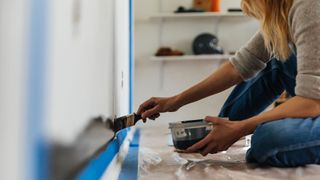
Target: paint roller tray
[[187, 133]]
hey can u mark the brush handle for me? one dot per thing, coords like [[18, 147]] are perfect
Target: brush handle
[[137, 117]]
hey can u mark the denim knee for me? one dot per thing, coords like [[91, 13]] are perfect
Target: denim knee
[[285, 143], [264, 142]]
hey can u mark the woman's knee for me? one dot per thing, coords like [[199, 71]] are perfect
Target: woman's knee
[[284, 143], [264, 142]]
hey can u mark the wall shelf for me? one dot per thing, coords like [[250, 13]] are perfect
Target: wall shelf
[[191, 58], [196, 15]]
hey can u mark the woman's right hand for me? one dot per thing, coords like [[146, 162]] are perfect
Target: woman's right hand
[[154, 106]]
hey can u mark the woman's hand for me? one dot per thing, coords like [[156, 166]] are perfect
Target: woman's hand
[[154, 106], [224, 134]]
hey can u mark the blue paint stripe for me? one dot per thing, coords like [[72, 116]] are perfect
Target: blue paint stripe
[[129, 169], [37, 158], [97, 166], [130, 56]]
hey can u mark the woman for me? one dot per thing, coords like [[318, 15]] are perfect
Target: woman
[[283, 55]]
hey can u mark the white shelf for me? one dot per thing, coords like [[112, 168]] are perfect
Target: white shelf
[[191, 57], [195, 15]]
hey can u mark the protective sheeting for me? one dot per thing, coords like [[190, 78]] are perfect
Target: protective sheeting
[[157, 160]]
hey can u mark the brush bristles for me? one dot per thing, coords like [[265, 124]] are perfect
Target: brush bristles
[[129, 121]]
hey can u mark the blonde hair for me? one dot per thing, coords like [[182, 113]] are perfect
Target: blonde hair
[[273, 16]]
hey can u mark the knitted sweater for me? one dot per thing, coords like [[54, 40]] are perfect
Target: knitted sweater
[[304, 25]]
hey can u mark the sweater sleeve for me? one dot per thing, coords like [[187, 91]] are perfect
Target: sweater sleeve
[[251, 58], [305, 22]]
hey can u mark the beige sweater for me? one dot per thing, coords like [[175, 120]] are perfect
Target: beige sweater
[[304, 23]]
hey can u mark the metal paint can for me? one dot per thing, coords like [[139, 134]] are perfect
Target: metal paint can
[[187, 133]]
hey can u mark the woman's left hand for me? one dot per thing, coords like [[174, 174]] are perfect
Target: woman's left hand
[[223, 135]]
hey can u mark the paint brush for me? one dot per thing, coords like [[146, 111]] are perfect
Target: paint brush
[[123, 122]]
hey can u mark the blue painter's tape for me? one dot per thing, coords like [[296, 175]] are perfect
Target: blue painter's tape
[[37, 59], [129, 169], [97, 166], [130, 56]]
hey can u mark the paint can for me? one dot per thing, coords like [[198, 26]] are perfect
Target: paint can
[[187, 133]]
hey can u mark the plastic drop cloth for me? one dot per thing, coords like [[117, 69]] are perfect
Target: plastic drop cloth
[[157, 160]]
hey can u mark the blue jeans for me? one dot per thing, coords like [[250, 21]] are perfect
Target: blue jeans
[[286, 142]]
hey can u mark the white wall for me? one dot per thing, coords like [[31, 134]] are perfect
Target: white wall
[[122, 57], [80, 74], [170, 78], [88, 70], [13, 18], [80, 68]]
